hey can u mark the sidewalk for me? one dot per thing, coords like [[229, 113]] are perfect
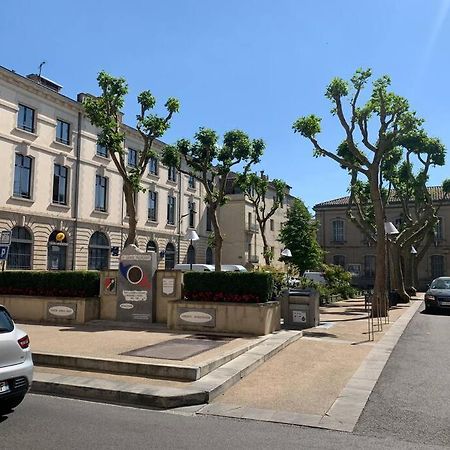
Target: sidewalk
[[322, 379]]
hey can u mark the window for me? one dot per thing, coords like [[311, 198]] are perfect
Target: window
[[101, 190], [191, 254], [339, 260], [153, 166], [272, 225], [151, 247], [62, 132], [57, 251], [338, 230], [153, 206], [369, 266], [208, 219], [209, 256], [60, 184], [191, 182], [98, 258], [132, 157], [20, 250], [171, 202], [192, 212], [22, 176], [25, 118], [102, 151], [169, 256], [172, 173], [437, 266], [438, 231]]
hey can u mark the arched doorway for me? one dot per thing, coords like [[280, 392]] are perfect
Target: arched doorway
[[169, 257], [98, 258], [57, 251], [191, 254], [151, 247], [20, 250], [209, 259]]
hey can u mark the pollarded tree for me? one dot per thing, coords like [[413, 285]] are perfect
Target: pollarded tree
[[104, 112], [299, 235], [371, 133], [255, 188], [209, 163]]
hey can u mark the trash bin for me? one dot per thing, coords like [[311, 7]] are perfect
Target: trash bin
[[300, 308]]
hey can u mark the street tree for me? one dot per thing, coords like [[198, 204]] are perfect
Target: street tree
[[371, 132], [210, 163], [299, 235], [256, 187], [105, 112]]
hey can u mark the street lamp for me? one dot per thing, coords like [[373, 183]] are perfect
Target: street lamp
[[389, 230], [180, 220], [287, 254], [192, 236]]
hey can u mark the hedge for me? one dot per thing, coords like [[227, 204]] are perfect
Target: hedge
[[50, 284], [240, 287]]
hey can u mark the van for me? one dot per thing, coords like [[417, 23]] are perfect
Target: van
[[194, 267], [233, 268], [317, 277]]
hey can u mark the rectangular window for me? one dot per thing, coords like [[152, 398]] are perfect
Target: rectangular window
[[25, 118], [153, 166], [191, 182], [62, 132], [208, 219], [438, 231], [22, 176], [171, 203], [102, 151], [172, 173], [192, 212], [101, 191], [132, 157], [272, 225], [60, 184], [153, 206], [338, 231]]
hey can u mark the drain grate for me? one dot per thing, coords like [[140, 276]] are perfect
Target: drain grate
[[177, 349]]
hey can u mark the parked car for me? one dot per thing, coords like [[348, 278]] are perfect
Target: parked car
[[16, 364], [233, 268], [318, 277], [438, 294], [194, 267]]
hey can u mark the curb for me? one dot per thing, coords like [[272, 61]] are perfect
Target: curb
[[197, 393]]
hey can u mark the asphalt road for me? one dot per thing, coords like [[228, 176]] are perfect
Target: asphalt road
[[411, 400]]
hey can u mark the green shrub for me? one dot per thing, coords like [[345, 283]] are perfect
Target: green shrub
[[279, 278], [338, 280], [50, 284], [240, 287]]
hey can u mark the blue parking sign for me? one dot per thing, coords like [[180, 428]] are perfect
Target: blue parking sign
[[4, 252]]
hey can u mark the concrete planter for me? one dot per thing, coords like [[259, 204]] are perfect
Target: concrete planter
[[63, 310], [239, 318]]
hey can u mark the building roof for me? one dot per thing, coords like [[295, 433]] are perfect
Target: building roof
[[436, 192]]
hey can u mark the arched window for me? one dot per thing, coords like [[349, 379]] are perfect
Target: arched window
[[98, 252], [437, 266], [339, 260], [169, 258], [20, 250], [338, 230], [151, 247], [57, 251], [209, 256], [191, 255]]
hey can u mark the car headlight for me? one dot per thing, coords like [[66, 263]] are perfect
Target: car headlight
[[429, 297]]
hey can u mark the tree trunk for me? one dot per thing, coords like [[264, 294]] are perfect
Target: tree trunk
[[410, 285], [131, 213], [267, 256], [218, 241], [396, 275]]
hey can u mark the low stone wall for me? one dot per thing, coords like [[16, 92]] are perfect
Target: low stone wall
[[240, 318], [62, 310]]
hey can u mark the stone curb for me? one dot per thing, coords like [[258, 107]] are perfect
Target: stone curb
[[199, 392], [347, 408]]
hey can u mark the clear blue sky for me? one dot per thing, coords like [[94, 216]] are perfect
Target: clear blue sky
[[250, 64]]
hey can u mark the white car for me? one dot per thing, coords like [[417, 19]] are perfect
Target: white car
[[16, 364]]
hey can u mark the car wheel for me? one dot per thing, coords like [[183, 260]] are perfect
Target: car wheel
[[429, 308], [7, 405]]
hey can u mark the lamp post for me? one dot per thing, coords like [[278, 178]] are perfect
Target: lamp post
[[180, 220], [192, 236], [287, 254], [413, 253], [389, 230]]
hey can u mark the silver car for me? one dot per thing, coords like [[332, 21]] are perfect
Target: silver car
[[438, 294], [16, 364]]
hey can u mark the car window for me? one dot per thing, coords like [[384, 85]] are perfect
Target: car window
[[6, 324], [440, 284]]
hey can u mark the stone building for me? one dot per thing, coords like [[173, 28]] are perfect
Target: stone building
[[56, 179], [347, 246]]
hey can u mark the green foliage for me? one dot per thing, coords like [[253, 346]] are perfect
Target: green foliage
[[241, 287], [279, 278], [58, 284], [298, 234], [308, 126], [338, 281]]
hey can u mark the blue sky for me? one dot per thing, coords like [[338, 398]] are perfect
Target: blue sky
[[250, 64]]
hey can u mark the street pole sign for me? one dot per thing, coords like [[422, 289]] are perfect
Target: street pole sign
[[5, 238], [4, 252]]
